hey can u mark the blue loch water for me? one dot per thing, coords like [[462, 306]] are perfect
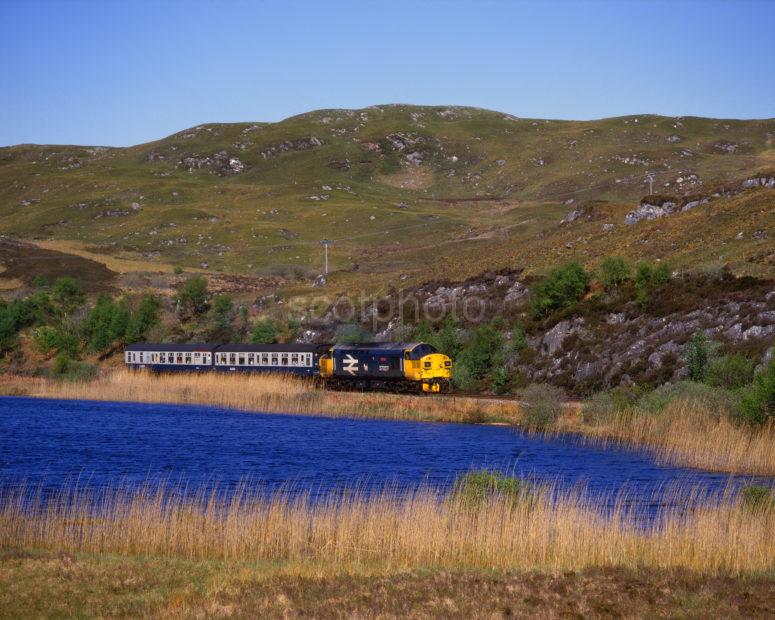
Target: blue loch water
[[51, 443]]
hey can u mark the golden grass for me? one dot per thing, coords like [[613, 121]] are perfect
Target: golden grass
[[114, 263], [269, 393], [391, 531], [688, 433]]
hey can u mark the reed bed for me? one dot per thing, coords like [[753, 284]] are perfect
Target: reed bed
[[691, 434], [269, 393], [389, 531]]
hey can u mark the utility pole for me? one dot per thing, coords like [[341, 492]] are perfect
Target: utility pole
[[325, 243], [650, 178]]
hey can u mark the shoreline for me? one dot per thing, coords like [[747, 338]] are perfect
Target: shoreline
[[684, 434]]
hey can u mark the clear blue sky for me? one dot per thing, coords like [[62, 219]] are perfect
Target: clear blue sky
[[120, 73]]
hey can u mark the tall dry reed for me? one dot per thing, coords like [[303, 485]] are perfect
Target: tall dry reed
[[424, 528], [271, 393], [689, 433]]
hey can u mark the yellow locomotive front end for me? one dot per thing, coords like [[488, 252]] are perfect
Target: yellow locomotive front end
[[428, 368]]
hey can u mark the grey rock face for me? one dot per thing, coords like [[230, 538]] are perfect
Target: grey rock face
[[648, 211]]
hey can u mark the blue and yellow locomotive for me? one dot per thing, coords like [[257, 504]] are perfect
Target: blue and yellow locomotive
[[398, 367]]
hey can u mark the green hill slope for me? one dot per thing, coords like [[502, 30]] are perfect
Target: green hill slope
[[405, 191]]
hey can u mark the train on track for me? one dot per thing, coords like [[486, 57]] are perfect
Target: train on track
[[389, 366]]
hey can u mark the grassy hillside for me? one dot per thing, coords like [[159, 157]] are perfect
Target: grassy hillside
[[407, 193]]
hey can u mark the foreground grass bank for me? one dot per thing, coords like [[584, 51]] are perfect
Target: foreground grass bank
[[687, 430], [514, 551], [44, 584]]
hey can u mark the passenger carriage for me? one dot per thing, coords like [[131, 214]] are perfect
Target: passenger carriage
[[298, 359], [170, 357]]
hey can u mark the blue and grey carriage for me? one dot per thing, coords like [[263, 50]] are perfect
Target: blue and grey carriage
[[299, 359]]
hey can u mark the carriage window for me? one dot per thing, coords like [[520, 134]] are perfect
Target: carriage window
[[179, 358], [274, 359], [188, 358], [294, 360], [251, 359], [232, 358], [284, 360], [265, 359], [242, 360]]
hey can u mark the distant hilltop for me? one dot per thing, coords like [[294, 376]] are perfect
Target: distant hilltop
[[247, 196]]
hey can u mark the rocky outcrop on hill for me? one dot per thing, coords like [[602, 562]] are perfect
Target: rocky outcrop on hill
[[633, 347], [300, 144], [220, 163], [653, 207]]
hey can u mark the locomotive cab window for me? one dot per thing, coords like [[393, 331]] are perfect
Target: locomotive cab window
[[420, 351]]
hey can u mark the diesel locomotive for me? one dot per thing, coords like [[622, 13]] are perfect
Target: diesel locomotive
[[389, 366]]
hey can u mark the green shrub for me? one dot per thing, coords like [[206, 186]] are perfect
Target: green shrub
[[177, 270], [518, 342], [98, 322], [646, 277], [613, 272], [193, 295], [477, 487], [730, 371], [39, 281], [463, 377], [758, 401], [446, 337], [140, 322], [49, 339], [221, 309], [562, 288], [662, 274], [757, 498], [61, 363], [542, 406], [696, 354], [264, 332], [21, 313], [68, 293], [481, 352], [350, 333], [699, 397], [500, 379]]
